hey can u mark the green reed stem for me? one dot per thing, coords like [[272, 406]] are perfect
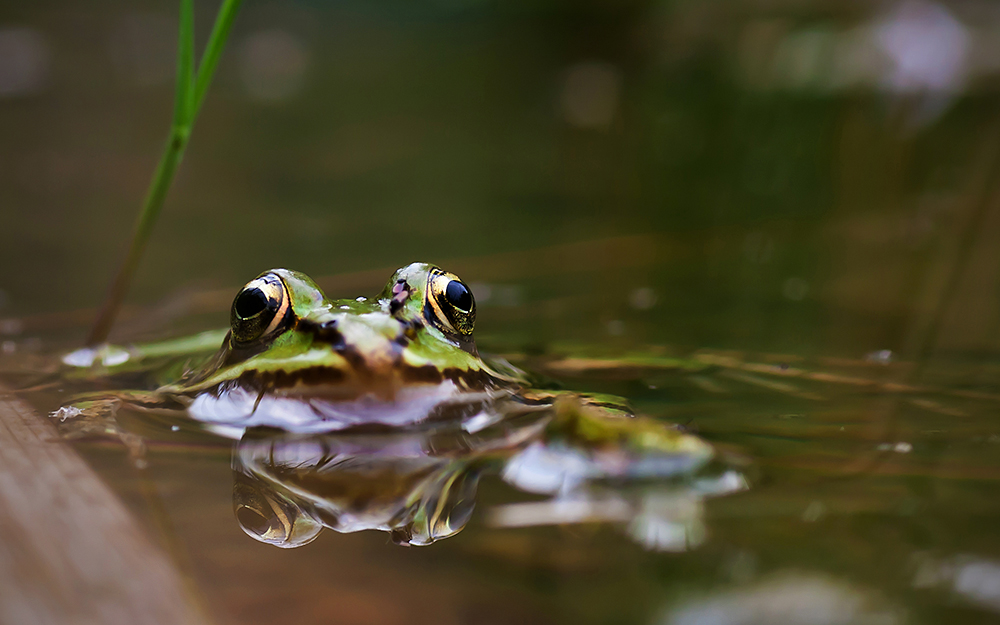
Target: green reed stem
[[188, 97]]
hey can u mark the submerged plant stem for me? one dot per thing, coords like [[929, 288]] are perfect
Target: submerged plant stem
[[189, 95]]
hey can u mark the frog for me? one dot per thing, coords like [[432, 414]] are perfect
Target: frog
[[294, 359], [376, 383]]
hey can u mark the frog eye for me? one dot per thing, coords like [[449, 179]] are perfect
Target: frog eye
[[259, 308], [450, 303]]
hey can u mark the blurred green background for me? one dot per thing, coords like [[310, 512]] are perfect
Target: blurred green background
[[806, 176]]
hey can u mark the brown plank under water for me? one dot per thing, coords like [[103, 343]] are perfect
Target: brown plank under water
[[70, 552]]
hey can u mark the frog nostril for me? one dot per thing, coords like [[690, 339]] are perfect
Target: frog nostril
[[400, 291]]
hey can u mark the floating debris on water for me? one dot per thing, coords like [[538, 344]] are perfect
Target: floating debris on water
[[66, 412], [901, 447], [882, 356], [107, 355]]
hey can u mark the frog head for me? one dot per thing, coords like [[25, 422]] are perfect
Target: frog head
[[288, 341]]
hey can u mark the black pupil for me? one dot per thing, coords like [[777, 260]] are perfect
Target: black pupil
[[459, 295], [251, 302]]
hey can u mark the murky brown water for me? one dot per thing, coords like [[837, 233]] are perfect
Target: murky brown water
[[811, 185]]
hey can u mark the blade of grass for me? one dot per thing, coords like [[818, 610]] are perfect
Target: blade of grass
[[190, 93], [185, 65], [213, 51]]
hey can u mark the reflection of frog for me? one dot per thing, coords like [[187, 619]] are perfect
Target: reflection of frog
[[420, 485], [401, 365]]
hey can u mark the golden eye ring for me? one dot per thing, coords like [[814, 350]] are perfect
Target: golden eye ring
[[449, 303], [260, 309]]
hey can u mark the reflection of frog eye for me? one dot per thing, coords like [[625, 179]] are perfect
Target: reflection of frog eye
[[270, 518], [450, 303], [259, 308]]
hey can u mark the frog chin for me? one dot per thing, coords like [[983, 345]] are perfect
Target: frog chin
[[240, 408]]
